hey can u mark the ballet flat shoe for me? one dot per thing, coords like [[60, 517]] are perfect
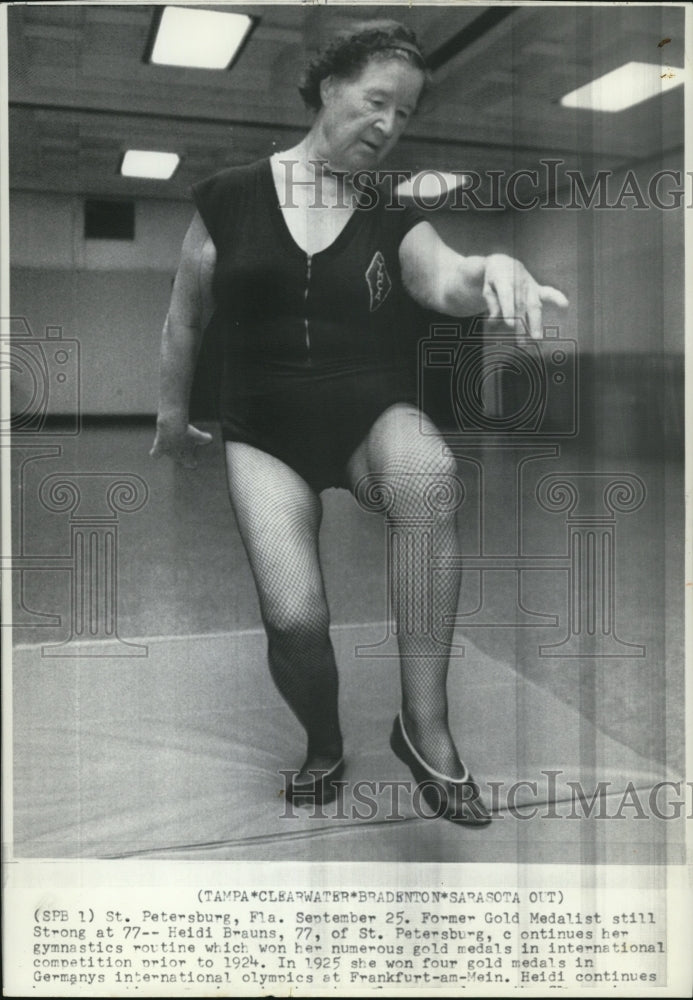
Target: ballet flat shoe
[[317, 792], [456, 799]]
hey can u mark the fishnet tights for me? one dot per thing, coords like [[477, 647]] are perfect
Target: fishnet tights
[[279, 518], [405, 452]]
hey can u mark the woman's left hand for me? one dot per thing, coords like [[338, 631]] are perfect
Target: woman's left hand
[[512, 295]]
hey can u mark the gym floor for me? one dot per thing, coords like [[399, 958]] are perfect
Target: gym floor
[[185, 594]]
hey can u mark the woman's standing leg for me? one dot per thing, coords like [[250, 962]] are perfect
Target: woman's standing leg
[[408, 458], [279, 519]]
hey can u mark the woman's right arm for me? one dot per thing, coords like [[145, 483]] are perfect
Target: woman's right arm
[[189, 313]]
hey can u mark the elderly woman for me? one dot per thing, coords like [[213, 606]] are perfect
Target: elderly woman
[[310, 285]]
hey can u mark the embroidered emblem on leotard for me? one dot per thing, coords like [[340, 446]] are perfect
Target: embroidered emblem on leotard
[[378, 279]]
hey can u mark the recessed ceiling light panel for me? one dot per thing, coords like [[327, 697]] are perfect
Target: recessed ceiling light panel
[[200, 39], [622, 88], [149, 163]]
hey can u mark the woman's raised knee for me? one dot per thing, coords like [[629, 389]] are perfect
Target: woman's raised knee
[[404, 441]]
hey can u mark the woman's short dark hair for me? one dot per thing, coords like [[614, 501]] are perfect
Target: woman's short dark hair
[[351, 50]]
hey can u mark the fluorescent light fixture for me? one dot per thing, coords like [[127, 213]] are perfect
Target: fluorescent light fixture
[[431, 185], [147, 163], [202, 39], [630, 84]]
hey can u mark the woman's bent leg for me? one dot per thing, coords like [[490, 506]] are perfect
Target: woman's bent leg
[[279, 519], [413, 465]]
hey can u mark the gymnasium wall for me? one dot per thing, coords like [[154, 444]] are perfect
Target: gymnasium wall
[[110, 295], [622, 270]]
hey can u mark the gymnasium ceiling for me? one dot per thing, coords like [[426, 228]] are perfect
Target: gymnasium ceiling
[[80, 92]]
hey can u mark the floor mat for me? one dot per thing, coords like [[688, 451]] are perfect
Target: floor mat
[[179, 753]]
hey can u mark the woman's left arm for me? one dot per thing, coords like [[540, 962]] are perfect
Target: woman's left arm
[[438, 278]]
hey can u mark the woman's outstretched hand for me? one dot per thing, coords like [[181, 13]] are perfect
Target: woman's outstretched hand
[[179, 441], [513, 296]]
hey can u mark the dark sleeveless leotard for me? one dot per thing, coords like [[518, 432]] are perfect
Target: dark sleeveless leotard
[[311, 353]]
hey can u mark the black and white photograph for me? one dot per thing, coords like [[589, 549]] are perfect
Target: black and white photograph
[[345, 564]]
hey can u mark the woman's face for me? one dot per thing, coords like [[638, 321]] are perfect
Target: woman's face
[[362, 118]]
